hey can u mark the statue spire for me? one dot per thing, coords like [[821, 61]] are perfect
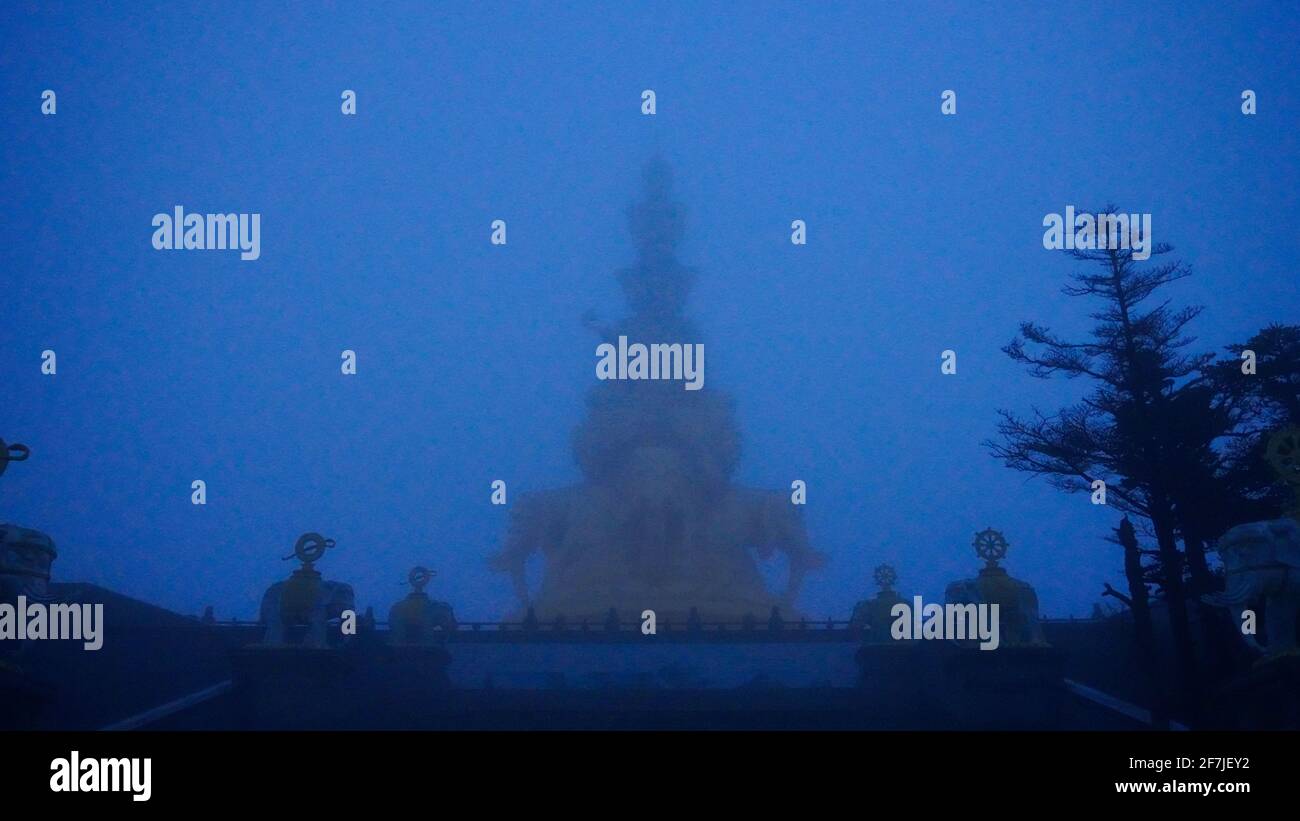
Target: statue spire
[[656, 221], [657, 285]]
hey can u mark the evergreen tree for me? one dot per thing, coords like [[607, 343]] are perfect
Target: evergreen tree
[[1145, 428]]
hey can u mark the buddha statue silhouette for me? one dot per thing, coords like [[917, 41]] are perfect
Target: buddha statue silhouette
[[656, 523]]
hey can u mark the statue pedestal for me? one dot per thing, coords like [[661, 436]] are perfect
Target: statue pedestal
[[936, 685], [892, 682], [1267, 697], [304, 688], [1011, 688], [275, 687], [23, 696]]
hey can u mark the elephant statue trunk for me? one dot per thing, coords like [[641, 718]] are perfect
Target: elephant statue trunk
[[1242, 590]]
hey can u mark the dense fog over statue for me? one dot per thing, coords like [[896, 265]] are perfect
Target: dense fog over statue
[[657, 523]]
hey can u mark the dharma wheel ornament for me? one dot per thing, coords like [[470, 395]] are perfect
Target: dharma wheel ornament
[[419, 578], [990, 545], [886, 577], [12, 453], [310, 549]]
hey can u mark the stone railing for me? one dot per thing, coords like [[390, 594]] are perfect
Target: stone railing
[[821, 630]]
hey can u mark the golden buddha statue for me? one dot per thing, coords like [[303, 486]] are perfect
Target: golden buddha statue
[[1017, 602]]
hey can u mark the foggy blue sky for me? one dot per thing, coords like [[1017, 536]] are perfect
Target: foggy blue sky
[[924, 234]]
